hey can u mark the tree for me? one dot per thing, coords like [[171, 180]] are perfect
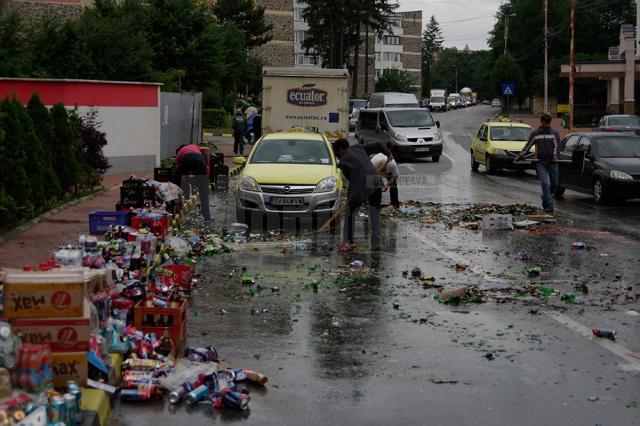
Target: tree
[[14, 60], [432, 43], [247, 17], [43, 126], [93, 141], [33, 157], [394, 80], [65, 162]]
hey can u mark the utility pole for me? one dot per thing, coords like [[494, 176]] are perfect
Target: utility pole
[[506, 32], [571, 62], [546, 56]]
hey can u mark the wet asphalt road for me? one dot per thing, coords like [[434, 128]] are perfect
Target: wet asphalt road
[[337, 351]]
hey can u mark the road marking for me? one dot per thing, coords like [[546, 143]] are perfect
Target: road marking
[[409, 166], [448, 157], [585, 332]]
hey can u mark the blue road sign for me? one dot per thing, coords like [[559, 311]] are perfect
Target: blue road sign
[[508, 89]]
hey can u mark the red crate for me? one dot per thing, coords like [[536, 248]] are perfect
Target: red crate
[[159, 227], [177, 316], [182, 275]]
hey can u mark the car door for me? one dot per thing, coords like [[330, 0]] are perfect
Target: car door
[[480, 149], [584, 178], [566, 167]]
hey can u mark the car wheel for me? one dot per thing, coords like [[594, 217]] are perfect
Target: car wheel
[[435, 158], [474, 164], [599, 194], [491, 168]]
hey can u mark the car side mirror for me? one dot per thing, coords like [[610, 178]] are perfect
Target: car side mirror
[[239, 160], [438, 124]]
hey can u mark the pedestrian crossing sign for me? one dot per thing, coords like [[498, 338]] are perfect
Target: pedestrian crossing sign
[[508, 89]]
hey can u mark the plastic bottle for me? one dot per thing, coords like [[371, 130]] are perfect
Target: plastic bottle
[[110, 269]]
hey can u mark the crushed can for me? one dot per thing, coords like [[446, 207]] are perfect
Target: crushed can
[[234, 400], [607, 334]]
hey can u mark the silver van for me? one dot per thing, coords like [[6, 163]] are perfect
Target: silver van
[[409, 132], [393, 100]]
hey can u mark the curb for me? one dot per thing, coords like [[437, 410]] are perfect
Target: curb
[[46, 215], [236, 171]]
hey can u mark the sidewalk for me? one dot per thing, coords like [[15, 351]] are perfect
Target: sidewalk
[[37, 243]]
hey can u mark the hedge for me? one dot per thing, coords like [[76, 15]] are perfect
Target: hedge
[[215, 118]]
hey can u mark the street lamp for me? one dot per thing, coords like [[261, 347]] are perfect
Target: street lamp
[[506, 30]]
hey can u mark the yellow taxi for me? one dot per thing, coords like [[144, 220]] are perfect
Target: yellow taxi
[[497, 143], [288, 174]]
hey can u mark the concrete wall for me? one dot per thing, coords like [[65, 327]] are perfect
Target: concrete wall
[[180, 121], [279, 51], [39, 9]]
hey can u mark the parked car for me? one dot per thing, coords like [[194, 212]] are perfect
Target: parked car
[[497, 144], [356, 104], [619, 123], [393, 100], [411, 132], [496, 103], [603, 164], [291, 174], [486, 102], [353, 120]]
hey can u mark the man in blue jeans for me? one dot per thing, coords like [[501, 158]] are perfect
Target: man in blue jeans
[[546, 141]]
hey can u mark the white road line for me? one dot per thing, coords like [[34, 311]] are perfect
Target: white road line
[[448, 157], [408, 166], [585, 332]]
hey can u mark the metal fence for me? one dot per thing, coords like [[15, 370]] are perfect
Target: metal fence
[[180, 121]]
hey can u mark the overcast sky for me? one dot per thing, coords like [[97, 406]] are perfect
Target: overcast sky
[[462, 21]]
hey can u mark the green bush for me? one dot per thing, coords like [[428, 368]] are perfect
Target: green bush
[[215, 118]]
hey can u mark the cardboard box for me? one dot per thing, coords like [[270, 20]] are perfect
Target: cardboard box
[[70, 366], [62, 334], [44, 294]]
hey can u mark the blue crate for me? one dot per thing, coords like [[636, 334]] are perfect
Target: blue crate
[[99, 222]]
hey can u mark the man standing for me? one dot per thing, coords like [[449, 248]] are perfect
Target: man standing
[[546, 141], [365, 184], [191, 162], [389, 169], [239, 127]]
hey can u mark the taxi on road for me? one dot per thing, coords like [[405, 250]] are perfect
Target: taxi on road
[[497, 143], [288, 174]]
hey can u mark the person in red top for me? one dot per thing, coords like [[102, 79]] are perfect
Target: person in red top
[[190, 162]]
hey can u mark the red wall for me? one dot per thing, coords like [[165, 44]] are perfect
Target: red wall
[[82, 93]]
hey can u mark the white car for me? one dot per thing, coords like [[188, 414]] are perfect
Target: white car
[[353, 120]]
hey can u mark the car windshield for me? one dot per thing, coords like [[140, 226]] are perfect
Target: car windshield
[[437, 99], [291, 151], [629, 120], [618, 147], [410, 118], [508, 133]]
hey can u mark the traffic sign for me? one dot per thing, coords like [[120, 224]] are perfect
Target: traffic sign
[[508, 89]]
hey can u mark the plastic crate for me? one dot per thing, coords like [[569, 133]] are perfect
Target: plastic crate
[[99, 222], [183, 274], [133, 183], [136, 196], [177, 318], [162, 174], [159, 227]]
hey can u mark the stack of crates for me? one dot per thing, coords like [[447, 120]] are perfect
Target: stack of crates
[[135, 194], [99, 222], [157, 320]]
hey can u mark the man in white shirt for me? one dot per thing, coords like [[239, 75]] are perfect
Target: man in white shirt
[[388, 169]]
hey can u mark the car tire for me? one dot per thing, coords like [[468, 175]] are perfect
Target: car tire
[[435, 158], [600, 196], [491, 168], [474, 164]]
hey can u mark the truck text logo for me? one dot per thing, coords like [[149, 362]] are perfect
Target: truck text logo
[[303, 96]]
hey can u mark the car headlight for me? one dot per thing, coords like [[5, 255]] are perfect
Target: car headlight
[[616, 174], [401, 137], [249, 184], [329, 184], [436, 136]]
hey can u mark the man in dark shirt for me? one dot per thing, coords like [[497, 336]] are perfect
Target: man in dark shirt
[[365, 184], [546, 141], [191, 170]]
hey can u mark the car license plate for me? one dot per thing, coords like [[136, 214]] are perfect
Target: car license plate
[[422, 149], [287, 201]]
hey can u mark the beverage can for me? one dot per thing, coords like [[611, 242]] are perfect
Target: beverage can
[[56, 409], [135, 395], [197, 394], [70, 408], [234, 400], [77, 393]]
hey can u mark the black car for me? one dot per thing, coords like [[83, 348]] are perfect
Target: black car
[[619, 123], [604, 164]]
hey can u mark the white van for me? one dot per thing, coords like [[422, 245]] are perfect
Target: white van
[[393, 100], [410, 132]]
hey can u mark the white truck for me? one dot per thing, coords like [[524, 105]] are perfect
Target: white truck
[[315, 100], [438, 100]]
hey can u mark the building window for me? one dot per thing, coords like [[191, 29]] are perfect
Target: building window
[[396, 23], [297, 14], [391, 56], [378, 56], [302, 59], [299, 36], [378, 73], [388, 39]]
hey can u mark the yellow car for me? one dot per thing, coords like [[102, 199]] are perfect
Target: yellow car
[[288, 174], [497, 144]]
